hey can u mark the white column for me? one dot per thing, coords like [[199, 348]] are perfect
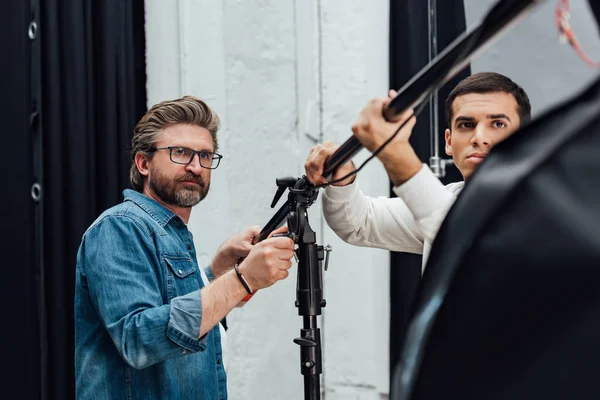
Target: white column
[[278, 73]]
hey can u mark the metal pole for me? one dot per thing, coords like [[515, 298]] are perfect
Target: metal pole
[[436, 164]]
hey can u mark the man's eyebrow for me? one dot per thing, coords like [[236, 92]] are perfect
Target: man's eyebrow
[[462, 118], [498, 116], [206, 149]]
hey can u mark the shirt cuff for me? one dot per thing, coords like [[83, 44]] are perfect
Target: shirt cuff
[[209, 273], [185, 317], [424, 194], [340, 194]]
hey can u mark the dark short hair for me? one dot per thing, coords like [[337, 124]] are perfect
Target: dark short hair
[[490, 82]]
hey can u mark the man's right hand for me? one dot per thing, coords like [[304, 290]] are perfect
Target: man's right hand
[[315, 164], [268, 261]]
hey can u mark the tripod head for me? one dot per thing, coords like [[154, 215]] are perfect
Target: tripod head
[[302, 194]]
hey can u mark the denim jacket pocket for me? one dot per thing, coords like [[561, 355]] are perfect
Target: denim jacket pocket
[[182, 275]]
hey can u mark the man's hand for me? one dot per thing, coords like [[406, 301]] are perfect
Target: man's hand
[[268, 261], [372, 130], [315, 164], [232, 249]]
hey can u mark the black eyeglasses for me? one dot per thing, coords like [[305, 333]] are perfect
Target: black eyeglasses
[[183, 155]]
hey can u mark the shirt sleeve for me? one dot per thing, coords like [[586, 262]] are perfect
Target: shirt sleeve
[[379, 222], [209, 273], [428, 201], [119, 264], [396, 224]]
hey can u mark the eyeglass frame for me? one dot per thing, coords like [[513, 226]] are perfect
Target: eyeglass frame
[[194, 152]]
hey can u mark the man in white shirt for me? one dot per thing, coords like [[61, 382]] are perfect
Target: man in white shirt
[[481, 111]]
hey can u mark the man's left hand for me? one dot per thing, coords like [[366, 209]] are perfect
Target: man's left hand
[[233, 249], [372, 130]]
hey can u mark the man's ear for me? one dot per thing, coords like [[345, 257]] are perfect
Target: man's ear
[[142, 164], [448, 135]]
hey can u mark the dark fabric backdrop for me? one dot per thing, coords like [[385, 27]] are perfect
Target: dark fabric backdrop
[[93, 95], [409, 52], [19, 289]]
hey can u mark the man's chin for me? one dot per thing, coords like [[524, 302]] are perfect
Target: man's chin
[[189, 198], [466, 172]]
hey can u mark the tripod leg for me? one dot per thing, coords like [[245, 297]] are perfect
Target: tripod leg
[[312, 387], [310, 358]]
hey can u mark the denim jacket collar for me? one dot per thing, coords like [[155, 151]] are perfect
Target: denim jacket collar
[[161, 214]]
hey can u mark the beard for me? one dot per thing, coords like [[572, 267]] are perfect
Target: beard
[[175, 192]]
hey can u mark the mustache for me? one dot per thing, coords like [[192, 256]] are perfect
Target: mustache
[[191, 177]]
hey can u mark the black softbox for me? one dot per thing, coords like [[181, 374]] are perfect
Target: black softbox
[[509, 304]]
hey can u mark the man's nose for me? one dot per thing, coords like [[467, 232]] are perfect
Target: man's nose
[[480, 137], [194, 166]]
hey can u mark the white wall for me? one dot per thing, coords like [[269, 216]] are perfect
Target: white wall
[[276, 70], [532, 56]]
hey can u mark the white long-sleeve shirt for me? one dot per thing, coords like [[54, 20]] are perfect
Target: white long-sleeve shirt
[[407, 223]]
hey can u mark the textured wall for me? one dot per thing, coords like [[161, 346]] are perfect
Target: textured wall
[[532, 56], [265, 66], [275, 71]]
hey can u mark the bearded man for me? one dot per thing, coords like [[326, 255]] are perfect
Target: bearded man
[[146, 316]]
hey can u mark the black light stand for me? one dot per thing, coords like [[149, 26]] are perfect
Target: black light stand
[[309, 289]]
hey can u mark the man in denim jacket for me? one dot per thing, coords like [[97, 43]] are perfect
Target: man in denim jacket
[[146, 319]]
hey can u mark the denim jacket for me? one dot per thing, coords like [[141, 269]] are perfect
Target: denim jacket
[[138, 309]]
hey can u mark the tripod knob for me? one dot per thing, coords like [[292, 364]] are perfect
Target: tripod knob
[[291, 235], [328, 250], [305, 342]]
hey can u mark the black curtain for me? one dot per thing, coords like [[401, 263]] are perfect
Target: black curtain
[[19, 286], [93, 77], [409, 52]]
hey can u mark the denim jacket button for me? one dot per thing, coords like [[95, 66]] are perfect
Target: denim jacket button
[[218, 361], [180, 272]]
